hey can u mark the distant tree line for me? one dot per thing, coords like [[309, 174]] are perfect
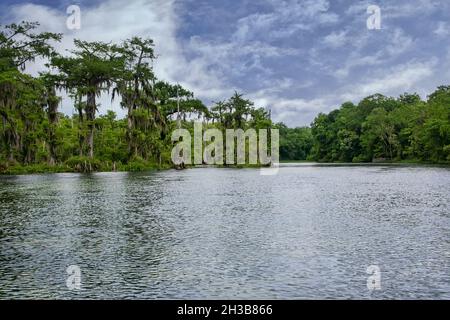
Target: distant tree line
[[379, 128]]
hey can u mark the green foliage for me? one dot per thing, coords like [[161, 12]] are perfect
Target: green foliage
[[381, 128], [33, 132], [19, 45], [83, 164], [32, 168], [296, 143], [138, 164], [35, 137]]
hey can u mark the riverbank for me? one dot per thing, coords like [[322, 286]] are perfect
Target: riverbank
[[142, 166], [85, 166], [416, 162]]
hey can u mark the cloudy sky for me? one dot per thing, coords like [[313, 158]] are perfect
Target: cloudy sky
[[297, 57]]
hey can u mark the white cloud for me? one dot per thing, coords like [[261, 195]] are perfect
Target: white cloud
[[442, 30], [117, 20], [234, 59], [397, 9], [212, 63], [287, 18], [389, 82], [358, 8], [335, 39], [391, 44], [408, 8], [412, 76], [295, 112], [398, 43], [356, 60], [263, 51]]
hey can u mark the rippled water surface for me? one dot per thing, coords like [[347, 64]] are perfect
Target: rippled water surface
[[308, 232]]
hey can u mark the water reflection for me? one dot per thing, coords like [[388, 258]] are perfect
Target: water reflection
[[309, 232]]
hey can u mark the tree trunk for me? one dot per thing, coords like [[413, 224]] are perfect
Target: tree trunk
[[130, 129], [6, 139], [52, 119], [90, 117], [80, 130]]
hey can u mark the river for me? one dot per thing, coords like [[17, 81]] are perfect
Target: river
[[311, 231]]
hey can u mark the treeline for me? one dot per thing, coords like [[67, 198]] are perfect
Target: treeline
[[35, 135], [383, 128], [379, 128], [295, 143]]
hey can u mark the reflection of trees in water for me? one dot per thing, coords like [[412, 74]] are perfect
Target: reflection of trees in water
[[122, 235]]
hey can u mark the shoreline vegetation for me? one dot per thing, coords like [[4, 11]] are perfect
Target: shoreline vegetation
[[36, 137], [60, 168]]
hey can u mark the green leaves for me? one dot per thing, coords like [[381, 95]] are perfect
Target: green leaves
[[33, 131], [406, 128], [295, 143], [238, 112], [19, 44]]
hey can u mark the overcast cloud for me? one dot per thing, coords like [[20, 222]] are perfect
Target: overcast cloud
[[297, 57]]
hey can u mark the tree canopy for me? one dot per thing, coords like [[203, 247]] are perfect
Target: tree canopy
[[34, 132], [383, 128]]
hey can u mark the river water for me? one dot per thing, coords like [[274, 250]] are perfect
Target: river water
[[310, 231]]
